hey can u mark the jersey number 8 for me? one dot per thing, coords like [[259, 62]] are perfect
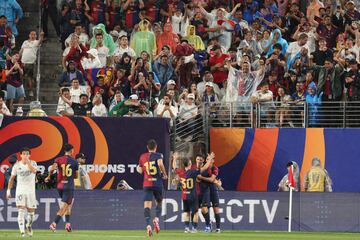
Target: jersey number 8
[[66, 170], [187, 183], [150, 168]]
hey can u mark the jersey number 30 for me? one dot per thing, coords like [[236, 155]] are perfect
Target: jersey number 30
[[187, 183], [66, 170], [150, 168]]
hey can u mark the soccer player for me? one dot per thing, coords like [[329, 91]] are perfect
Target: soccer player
[[188, 177], [152, 167], [210, 196], [25, 172], [67, 170]]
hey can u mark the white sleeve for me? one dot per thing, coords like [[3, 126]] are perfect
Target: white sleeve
[[14, 170]]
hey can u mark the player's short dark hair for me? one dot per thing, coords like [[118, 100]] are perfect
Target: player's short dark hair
[[99, 34], [151, 144], [25, 149], [3, 16], [199, 155], [186, 162], [68, 147]]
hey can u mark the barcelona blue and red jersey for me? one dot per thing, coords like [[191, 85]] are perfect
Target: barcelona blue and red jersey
[[208, 173], [151, 170], [67, 167], [98, 10], [188, 184]]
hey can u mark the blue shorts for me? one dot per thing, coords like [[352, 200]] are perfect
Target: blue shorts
[[191, 205], [150, 192], [14, 92], [66, 195], [210, 197]]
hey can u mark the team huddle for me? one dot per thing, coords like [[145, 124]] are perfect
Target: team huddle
[[198, 182]]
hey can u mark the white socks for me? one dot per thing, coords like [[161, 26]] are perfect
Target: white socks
[[21, 220], [30, 218]]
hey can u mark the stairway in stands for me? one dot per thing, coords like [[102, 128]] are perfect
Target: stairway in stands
[[51, 52]]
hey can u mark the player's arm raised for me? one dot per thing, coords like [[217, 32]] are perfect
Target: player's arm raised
[[52, 168], [162, 168], [209, 162]]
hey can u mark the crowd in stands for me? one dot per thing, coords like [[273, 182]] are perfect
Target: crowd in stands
[[163, 58]]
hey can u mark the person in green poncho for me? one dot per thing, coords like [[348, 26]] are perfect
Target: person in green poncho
[[125, 107], [144, 40], [107, 38], [194, 39]]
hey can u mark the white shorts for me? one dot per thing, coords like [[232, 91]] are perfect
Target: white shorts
[[27, 200]]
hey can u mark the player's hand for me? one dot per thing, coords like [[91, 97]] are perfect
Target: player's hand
[[8, 194], [165, 177]]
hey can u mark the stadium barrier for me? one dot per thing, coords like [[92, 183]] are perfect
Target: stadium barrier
[[102, 210], [112, 145]]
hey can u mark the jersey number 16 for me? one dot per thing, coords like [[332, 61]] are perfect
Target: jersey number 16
[[66, 170]]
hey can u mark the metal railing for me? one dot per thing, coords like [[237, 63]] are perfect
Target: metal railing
[[38, 74]]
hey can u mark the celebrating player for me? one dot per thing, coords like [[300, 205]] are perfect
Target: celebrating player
[[67, 170], [25, 172], [152, 166], [209, 191], [188, 177]]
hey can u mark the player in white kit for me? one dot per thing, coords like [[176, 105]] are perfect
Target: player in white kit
[[25, 173]]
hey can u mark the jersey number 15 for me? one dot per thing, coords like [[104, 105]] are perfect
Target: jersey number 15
[[150, 168]]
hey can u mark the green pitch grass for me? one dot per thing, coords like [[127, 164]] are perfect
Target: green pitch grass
[[179, 235]]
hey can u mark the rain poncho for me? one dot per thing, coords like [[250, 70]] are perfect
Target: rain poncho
[[168, 37], [107, 40], [313, 102], [284, 44], [194, 39], [283, 184], [143, 40], [241, 86]]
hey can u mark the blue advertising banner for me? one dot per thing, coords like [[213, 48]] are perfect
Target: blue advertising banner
[[99, 209], [112, 145]]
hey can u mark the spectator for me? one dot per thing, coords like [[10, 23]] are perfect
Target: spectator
[[117, 98], [144, 40], [83, 108], [83, 37], [327, 31], [35, 110], [103, 51], [75, 52], [313, 99], [78, 17], [283, 110], [352, 81], [98, 109], [124, 107], [76, 90], [28, 55], [107, 38], [49, 8], [142, 111], [92, 60], [194, 39], [123, 47], [63, 108], [65, 26], [317, 179], [276, 38], [13, 12], [265, 97], [125, 63], [70, 74], [179, 22], [120, 83], [123, 185], [163, 70], [3, 108], [6, 34], [293, 51], [283, 186], [83, 181], [167, 38], [249, 45], [201, 86], [95, 13], [166, 110], [217, 64], [322, 53], [14, 74]]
